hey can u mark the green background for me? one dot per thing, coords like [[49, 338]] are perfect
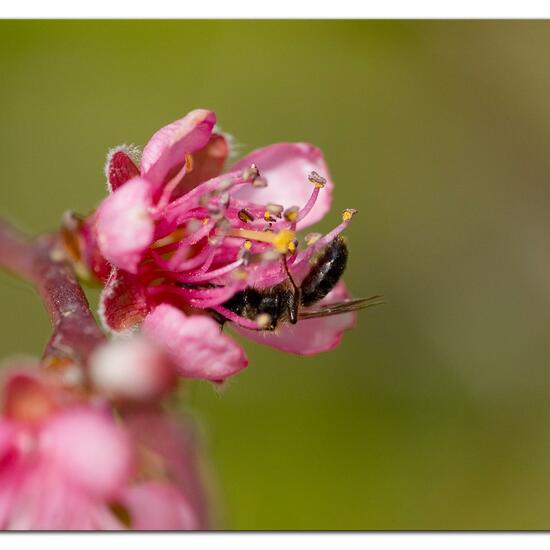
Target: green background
[[434, 413]]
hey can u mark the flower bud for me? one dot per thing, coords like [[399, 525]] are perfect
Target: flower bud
[[131, 369]]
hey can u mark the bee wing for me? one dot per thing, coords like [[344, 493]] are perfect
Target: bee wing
[[337, 308]]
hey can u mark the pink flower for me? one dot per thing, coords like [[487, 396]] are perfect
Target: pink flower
[[179, 232], [67, 465]]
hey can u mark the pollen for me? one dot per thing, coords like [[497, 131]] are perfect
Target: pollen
[[283, 239], [268, 217], [292, 247], [291, 214], [348, 213], [317, 180], [245, 216], [247, 245], [263, 320], [280, 241], [205, 220]]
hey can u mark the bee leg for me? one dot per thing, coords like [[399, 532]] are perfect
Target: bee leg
[[294, 297], [218, 317]]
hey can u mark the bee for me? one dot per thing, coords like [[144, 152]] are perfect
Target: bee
[[286, 301]]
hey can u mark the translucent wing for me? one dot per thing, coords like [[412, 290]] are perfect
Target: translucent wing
[[338, 308]]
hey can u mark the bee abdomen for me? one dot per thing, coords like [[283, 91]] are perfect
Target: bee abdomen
[[325, 273]]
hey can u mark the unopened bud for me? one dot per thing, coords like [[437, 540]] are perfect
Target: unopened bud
[[131, 369]]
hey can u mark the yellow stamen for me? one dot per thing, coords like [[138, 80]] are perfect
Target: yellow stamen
[[188, 163], [291, 214], [283, 239], [347, 214], [247, 245], [291, 246], [280, 240], [205, 221]]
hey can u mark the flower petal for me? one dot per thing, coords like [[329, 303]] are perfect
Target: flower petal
[[123, 302], [155, 506], [175, 442], [7, 436], [124, 226], [195, 343], [286, 167], [207, 164], [310, 336], [165, 152], [27, 399], [90, 449]]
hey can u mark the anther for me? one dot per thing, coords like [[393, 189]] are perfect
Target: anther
[[282, 240], [268, 217], [317, 180], [247, 245], [274, 209], [348, 213], [259, 182], [292, 246], [188, 163], [291, 214], [245, 216], [251, 172]]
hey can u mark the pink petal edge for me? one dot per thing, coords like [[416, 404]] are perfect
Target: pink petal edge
[[194, 343]]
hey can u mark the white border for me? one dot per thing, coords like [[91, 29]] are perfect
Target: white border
[[286, 9], [239, 541]]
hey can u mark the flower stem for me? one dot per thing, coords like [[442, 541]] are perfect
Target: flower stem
[[41, 262]]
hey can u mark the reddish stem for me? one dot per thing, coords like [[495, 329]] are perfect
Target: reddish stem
[[41, 262]]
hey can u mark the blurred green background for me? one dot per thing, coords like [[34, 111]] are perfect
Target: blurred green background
[[435, 412]]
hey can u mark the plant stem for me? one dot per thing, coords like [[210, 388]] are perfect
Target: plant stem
[[41, 262]]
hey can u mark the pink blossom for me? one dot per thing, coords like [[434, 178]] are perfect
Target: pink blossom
[[67, 465], [184, 234]]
